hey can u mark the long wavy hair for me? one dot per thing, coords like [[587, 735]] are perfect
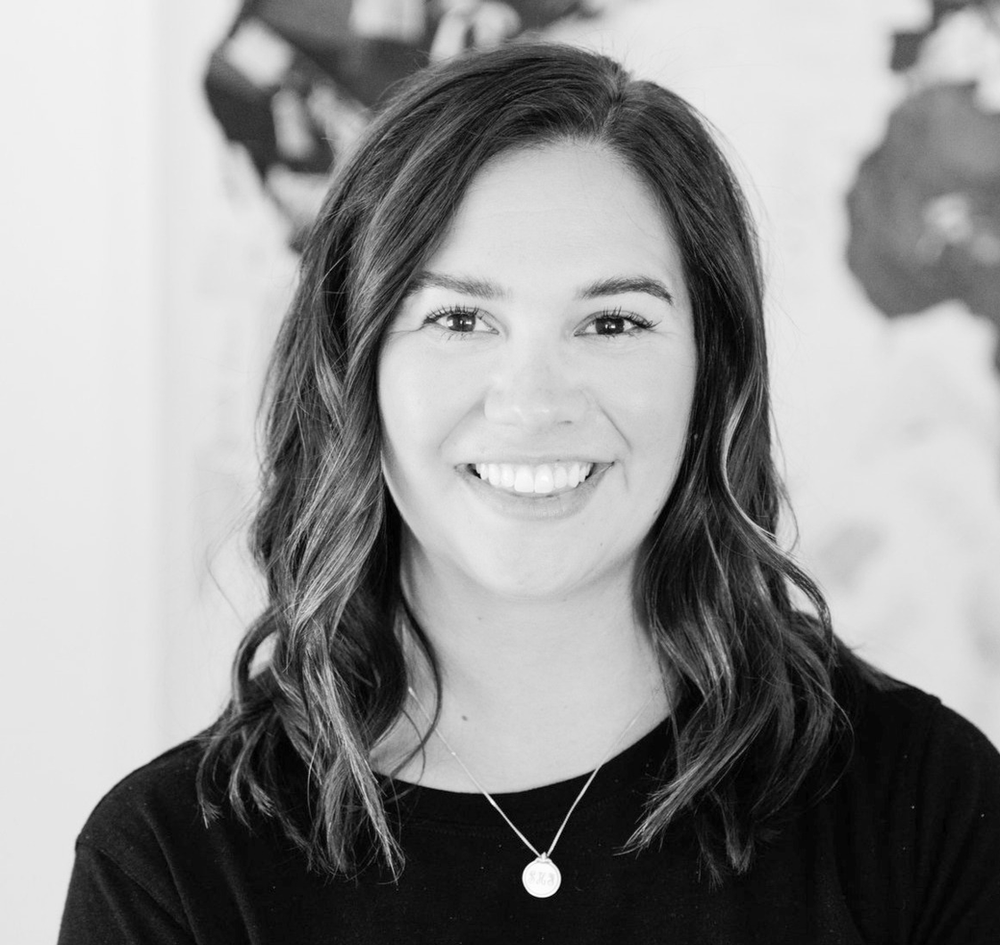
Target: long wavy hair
[[322, 669]]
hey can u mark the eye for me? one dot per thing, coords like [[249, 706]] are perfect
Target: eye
[[458, 321], [616, 323]]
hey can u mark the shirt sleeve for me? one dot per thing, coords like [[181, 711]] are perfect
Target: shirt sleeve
[[107, 906], [958, 836]]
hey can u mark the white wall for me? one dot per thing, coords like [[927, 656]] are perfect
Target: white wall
[[81, 380], [229, 277]]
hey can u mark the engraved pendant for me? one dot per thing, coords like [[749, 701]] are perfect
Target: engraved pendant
[[541, 877]]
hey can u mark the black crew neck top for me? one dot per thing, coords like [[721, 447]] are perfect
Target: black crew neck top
[[904, 849]]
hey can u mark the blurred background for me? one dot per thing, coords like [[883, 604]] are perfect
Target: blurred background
[[160, 160]]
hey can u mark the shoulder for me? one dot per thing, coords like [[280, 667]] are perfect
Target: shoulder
[[131, 849], [156, 812], [897, 729], [146, 803], [163, 787], [151, 867], [916, 816], [155, 817]]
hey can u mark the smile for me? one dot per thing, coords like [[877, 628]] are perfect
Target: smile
[[535, 480]]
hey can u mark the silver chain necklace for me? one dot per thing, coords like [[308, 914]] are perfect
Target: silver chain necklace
[[541, 877]]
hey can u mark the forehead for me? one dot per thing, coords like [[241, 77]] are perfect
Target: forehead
[[571, 206]]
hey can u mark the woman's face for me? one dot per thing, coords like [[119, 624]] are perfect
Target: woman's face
[[536, 383]]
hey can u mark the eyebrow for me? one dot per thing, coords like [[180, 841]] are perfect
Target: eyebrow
[[477, 288], [484, 289], [624, 284]]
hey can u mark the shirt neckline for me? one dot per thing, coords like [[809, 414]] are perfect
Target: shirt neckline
[[636, 766]]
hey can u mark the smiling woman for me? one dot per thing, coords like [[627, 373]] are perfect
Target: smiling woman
[[533, 666]]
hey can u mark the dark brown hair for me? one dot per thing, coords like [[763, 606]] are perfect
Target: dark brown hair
[[322, 669]]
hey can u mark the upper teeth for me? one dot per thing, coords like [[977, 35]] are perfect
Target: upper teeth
[[540, 479]]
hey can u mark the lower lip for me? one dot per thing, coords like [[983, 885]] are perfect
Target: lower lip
[[528, 505]]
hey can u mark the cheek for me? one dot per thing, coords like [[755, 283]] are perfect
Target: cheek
[[654, 404], [401, 406], [420, 404]]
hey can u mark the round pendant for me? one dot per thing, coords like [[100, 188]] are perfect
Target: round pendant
[[541, 877]]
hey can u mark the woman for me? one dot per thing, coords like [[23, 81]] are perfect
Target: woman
[[533, 666]]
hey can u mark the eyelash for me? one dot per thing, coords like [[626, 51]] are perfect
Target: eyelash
[[640, 324], [436, 317]]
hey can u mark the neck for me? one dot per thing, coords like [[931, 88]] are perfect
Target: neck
[[533, 691]]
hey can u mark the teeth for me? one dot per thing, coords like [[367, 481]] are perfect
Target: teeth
[[543, 480], [524, 480], [537, 480]]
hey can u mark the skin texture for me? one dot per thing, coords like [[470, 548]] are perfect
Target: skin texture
[[515, 346]]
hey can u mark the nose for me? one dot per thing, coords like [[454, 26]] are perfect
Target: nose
[[535, 389]]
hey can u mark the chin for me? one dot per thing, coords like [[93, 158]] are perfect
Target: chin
[[539, 578]]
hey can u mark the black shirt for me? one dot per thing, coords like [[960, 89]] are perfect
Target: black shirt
[[904, 849]]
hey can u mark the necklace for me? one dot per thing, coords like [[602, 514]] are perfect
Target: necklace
[[541, 877]]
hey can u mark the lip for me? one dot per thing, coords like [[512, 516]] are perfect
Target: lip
[[522, 460], [529, 505]]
